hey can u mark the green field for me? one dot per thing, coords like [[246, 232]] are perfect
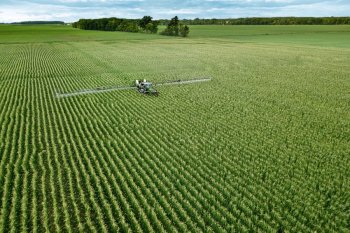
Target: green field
[[263, 147]]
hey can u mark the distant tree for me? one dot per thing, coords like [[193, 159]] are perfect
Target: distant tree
[[174, 21], [127, 26], [174, 25], [166, 32], [144, 21], [184, 30], [148, 25], [175, 29], [152, 27], [113, 24]]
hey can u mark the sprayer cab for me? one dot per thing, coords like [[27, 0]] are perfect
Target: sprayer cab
[[145, 87]]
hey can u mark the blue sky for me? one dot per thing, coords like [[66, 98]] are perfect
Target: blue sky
[[72, 10]]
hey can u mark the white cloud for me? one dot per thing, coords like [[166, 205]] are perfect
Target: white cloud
[[54, 12], [72, 10], [279, 1], [22, 13], [314, 9], [183, 12], [97, 1]]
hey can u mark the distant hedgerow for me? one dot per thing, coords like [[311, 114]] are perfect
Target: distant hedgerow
[[146, 24]]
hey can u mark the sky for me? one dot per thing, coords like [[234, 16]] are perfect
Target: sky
[[72, 10]]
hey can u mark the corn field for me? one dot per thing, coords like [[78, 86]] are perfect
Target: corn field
[[263, 147]]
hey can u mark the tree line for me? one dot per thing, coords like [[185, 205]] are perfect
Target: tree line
[[145, 25], [267, 21], [108, 24], [39, 22]]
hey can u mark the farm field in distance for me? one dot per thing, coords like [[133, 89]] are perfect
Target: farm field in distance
[[263, 147]]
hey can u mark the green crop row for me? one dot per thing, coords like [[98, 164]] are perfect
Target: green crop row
[[263, 147]]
